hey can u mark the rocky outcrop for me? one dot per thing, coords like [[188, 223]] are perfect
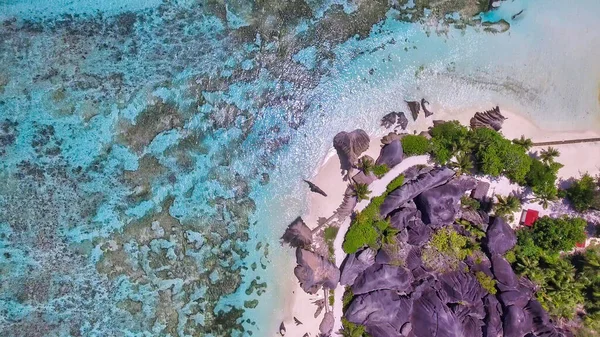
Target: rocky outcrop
[[440, 205], [500, 238], [314, 271], [492, 119], [415, 108], [326, 325], [394, 120], [390, 137], [413, 188], [355, 264], [350, 145], [481, 190], [298, 234], [390, 154], [383, 277]]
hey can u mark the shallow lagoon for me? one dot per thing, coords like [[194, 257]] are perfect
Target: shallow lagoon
[[151, 159]]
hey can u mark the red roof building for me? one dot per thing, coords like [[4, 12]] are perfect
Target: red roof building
[[580, 244], [529, 217]]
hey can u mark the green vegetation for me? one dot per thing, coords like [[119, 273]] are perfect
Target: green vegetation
[[394, 184], [525, 143], [486, 282], [506, 206], [447, 139], [553, 235], [463, 163], [447, 248], [542, 180], [366, 164], [584, 194], [329, 234], [469, 203], [483, 149], [331, 297], [352, 330], [347, 298], [361, 191], [380, 170], [496, 155], [548, 155], [566, 283], [367, 228], [415, 145]]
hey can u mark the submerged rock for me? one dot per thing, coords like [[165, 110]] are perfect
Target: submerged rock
[[390, 154], [415, 108], [411, 189], [314, 188], [298, 234], [492, 119], [394, 120], [314, 271], [350, 145], [424, 104], [500, 238]]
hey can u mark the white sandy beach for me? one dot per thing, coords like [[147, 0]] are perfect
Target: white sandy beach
[[576, 158]]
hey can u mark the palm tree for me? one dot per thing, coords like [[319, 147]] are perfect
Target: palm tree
[[463, 163], [361, 191], [545, 194], [388, 236], [526, 143], [506, 206], [548, 155], [366, 164]]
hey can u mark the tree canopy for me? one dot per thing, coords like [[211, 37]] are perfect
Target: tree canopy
[[415, 145], [554, 234], [584, 194]]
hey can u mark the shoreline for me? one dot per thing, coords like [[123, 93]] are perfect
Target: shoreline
[[328, 176]]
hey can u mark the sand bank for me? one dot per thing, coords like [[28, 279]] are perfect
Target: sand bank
[[577, 159]]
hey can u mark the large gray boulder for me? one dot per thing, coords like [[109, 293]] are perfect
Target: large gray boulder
[[411, 189], [350, 145], [394, 120], [356, 263], [314, 271], [493, 317], [432, 317], [505, 276], [378, 308], [383, 277], [402, 217], [390, 154], [298, 234], [439, 205], [516, 322], [500, 238], [464, 288], [326, 325]]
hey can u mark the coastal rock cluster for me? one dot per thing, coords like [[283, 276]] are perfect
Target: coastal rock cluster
[[492, 119], [397, 293]]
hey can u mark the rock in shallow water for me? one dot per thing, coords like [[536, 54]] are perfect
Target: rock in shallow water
[[298, 234]]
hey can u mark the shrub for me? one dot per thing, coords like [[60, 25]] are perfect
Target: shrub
[[449, 242], [347, 298], [331, 297], [470, 203], [541, 174], [497, 155], [361, 191], [394, 184], [556, 234], [486, 282], [506, 206], [447, 139], [414, 145], [380, 170], [350, 329], [330, 233], [584, 194]]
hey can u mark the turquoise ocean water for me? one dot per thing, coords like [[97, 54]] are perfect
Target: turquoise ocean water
[[151, 152]]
